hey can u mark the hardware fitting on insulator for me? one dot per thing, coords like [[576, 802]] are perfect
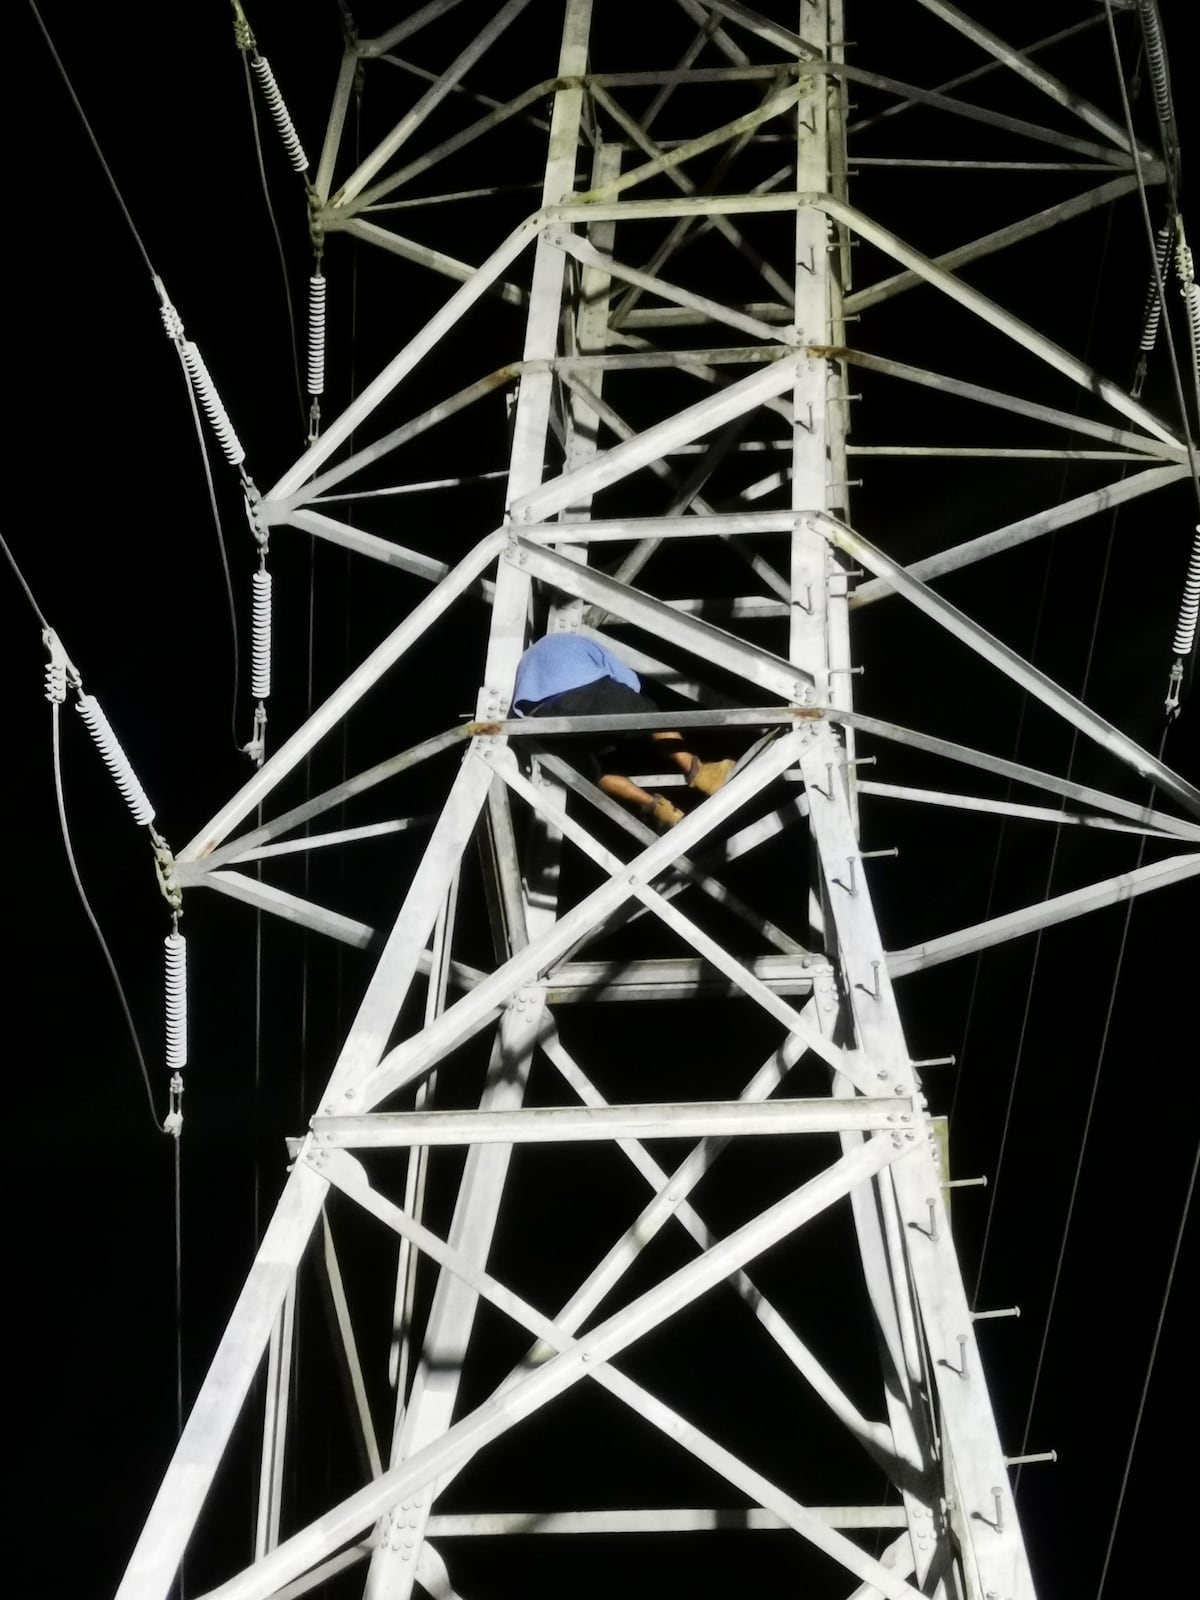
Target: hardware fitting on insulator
[[164, 866], [175, 955], [57, 668], [260, 636], [173, 1122], [115, 759], [257, 747], [261, 69], [316, 333]]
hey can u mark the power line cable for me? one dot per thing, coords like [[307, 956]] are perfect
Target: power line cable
[[20, 576], [279, 251], [91, 916], [1141, 1408], [95, 143]]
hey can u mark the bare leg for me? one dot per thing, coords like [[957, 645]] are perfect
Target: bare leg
[[706, 776], [653, 806]]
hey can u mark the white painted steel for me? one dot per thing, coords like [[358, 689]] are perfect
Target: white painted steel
[[571, 440]]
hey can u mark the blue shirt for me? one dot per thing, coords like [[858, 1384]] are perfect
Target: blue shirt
[[563, 661]]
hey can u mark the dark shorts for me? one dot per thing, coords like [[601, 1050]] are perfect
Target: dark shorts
[[599, 753]]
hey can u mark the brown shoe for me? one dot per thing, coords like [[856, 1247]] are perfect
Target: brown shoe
[[662, 814], [710, 776]]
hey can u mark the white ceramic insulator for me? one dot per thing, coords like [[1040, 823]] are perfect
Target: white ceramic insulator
[[316, 334], [1189, 606], [1153, 313], [260, 637], [175, 951], [115, 759], [210, 402], [1191, 306], [1156, 58], [279, 113]]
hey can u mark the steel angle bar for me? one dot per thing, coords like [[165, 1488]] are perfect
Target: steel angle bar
[[974, 452], [280, 1352], [535, 94], [1007, 661], [291, 907], [669, 1201], [710, 310], [151, 1572], [685, 869], [365, 544], [699, 361], [480, 41], [680, 1519], [587, 1356], [610, 530], [762, 27], [1029, 776], [983, 71], [988, 244], [722, 224], [422, 255], [326, 165], [410, 1060], [1010, 808], [1045, 914], [775, 106], [747, 607], [1170, 451], [709, 948], [1024, 529], [346, 1345], [398, 368], [589, 1124], [404, 30], [400, 959], [993, 119], [668, 978], [995, 315], [345, 697], [1017, 61], [490, 384], [699, 638], [319, 804], [322, 841]]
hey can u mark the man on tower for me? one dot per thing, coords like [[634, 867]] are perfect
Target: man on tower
[[567, 675]]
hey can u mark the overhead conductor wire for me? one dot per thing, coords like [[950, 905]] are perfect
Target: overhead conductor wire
[[58, 788]]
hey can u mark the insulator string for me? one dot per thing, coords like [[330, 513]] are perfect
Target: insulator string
[[316, 334], [261, 69], [115, 759], [260, 647]]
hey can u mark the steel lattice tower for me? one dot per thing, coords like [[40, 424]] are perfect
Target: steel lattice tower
[[672, 328]]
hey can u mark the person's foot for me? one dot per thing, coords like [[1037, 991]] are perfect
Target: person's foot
[[710, 776], [662, 814]]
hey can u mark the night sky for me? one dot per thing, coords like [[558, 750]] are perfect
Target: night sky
[[107, 514]]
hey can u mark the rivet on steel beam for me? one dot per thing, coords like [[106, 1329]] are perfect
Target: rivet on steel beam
[[966, 1183], [987, 1316], [936, 1061], [1029, 1460], [998, 1502]]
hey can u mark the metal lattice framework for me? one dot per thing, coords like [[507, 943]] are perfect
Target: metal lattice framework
[[682, 393]]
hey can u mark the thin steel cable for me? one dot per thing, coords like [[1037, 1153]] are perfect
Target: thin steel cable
[[21, 579], [1087, 1128], [95, 143], [994, 1186], [178, 1288], [279, 251], [1158, 1328], [977, 969], [202, 442], [1127, 112], [91, 916]]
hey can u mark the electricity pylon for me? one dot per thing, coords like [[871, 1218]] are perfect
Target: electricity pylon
[[672, 326]]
